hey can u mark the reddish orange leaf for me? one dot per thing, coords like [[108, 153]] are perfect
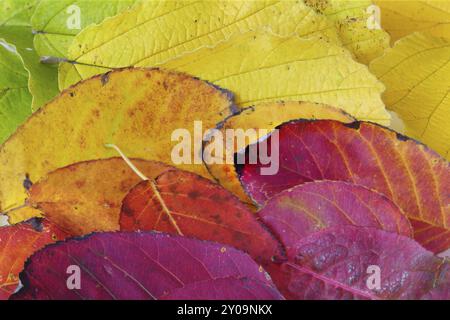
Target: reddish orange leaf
[[17, 243], [193, 206]]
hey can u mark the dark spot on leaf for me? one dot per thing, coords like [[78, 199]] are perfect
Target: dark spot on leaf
[[27, 183], [354, 125]]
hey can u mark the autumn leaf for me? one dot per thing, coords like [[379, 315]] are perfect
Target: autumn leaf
[[416, 72], [141, 266], [357, 30], [196, 24], [15, 29], [55, 24], [15, 100], [183, 203], [401, 18], [412, 176], [334, 264], [86, 197], [264, 116], [298, 212], [136, 109], [17, 243], [261, 67]]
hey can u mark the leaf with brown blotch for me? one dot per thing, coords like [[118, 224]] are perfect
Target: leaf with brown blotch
[[85, 197], [295, 213], [145, 266], [183, 203], [340, 263], [135, 109], [17, 243], [263, 116], [411, 175]]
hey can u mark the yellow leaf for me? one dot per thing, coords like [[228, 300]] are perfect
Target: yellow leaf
[[135, 109], [356, 25], [401, 18], [260, 67], [416, 72], [265, 116], [157, 31]]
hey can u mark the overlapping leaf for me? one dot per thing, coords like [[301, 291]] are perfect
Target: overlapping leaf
[[264, 116], [136, 109], [15, 28], [356, 26], [207, 271], [336, 263], [196, 24], [260, 67], [416, 72], [55, 24], [86, 197], [408, 173], [15, 100], [401, 18], [17, 243], [186, 204], [296, 213]]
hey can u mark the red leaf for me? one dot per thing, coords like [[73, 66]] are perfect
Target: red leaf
[[412, 176], [17, 243], [333, 264], [196, 207], [295, 213], [138, 265]]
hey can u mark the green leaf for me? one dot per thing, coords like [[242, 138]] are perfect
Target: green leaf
[[53, 21], [15, 100], [15, 29]]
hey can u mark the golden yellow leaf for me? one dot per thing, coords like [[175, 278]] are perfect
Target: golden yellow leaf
[[416, 72], [266, 116], [136, 109], [356, 25], [260, 67], [157, 31], [400, 18]]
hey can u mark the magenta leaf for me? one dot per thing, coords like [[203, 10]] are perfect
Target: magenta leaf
[[145, 265], [343, 262], [305, 209]]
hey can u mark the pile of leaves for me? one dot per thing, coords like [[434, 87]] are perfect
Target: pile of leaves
[[351, 195]]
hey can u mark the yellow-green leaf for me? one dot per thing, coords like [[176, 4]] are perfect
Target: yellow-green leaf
[[57, 22], [260, 67], [15, 100], [356, 25], [157, 31], [15, 29], [400, 18], [416, 72]]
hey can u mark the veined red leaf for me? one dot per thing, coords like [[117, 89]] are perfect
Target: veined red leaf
[[342, 262], [295, 213], [190, 205], [17, 243], [137, 265], [411, 175]]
